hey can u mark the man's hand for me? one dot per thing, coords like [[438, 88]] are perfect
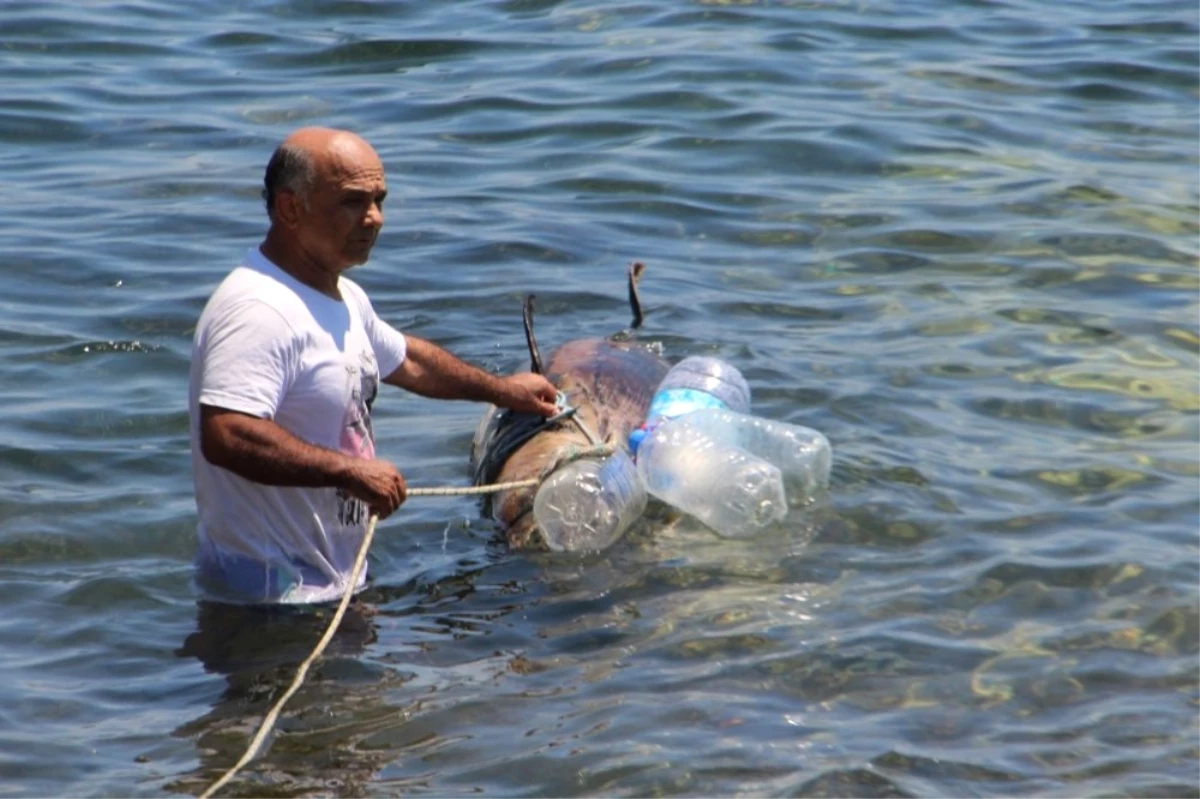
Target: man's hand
[[379, 484], [530, 393]]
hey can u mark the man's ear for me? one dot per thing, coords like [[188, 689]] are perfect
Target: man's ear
[[288, 207]]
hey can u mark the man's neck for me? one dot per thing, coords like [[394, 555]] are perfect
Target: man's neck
[[296, 263]]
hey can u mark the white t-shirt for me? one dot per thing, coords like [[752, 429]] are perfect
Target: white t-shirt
[[269, 346]]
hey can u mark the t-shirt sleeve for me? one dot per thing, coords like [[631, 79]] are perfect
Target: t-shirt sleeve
[[249, 355], [388, 342]]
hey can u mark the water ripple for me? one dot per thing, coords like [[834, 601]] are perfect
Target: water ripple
[[958, 238]]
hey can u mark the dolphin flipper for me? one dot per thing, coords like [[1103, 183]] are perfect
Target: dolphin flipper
[[535, 355]]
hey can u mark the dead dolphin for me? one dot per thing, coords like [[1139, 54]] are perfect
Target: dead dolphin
[[609, 382]]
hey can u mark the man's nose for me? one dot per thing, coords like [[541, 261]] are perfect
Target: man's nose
[[374, 217]]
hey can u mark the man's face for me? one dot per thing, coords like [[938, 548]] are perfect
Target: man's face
[[341, 219]]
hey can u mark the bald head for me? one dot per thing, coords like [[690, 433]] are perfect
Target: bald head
[[308, 155], [324, 190], [322, 140]]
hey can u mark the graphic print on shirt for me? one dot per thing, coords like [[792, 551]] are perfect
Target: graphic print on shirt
[[358, 437]]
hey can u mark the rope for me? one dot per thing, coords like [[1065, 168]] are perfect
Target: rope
[[272, 716], [592, 438], [451, 491], [573, 453], [269, 721]]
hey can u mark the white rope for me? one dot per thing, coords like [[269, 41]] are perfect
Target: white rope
[[271, 717], [360, 560], [488, 489], [269, 721]]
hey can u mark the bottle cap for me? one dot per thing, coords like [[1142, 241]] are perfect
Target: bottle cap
[[635, 439]]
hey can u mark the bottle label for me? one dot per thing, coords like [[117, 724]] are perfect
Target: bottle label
[[678, 401]]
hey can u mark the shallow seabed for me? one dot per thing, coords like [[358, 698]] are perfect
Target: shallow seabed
[[959, 237]]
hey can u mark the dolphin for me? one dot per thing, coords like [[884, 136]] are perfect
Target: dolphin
[[609, 383]]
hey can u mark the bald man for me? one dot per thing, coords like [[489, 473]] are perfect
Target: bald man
[[287, 359]]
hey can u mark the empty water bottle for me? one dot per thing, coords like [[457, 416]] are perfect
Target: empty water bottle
[[801, 454], [588, 504], [735, 472], [724, 486], [699, 381]]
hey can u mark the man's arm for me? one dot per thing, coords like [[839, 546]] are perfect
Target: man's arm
[[430, 371], [263, 452]]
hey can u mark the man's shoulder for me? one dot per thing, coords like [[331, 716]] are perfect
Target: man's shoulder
[[242, 278], [248, 282], [246, 294]]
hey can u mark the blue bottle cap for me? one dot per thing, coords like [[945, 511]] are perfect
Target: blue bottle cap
[[635, 439]]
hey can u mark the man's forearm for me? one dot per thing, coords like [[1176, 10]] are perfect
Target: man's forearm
[[431, 371], [262, 451]]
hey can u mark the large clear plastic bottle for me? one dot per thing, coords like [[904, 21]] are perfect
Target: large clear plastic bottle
[[699, 381], [587, 505], [729, 489], [802, 455]]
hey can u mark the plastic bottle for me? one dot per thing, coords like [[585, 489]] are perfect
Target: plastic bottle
[[588, 504], [733, 471], [802, 455], [727, 488], [699, 381]]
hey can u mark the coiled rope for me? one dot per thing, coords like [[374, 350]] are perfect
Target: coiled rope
[[268, 722]]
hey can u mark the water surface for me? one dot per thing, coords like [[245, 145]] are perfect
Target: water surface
[[960, 238]]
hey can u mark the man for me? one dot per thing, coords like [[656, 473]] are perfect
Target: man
[[286, 362]]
